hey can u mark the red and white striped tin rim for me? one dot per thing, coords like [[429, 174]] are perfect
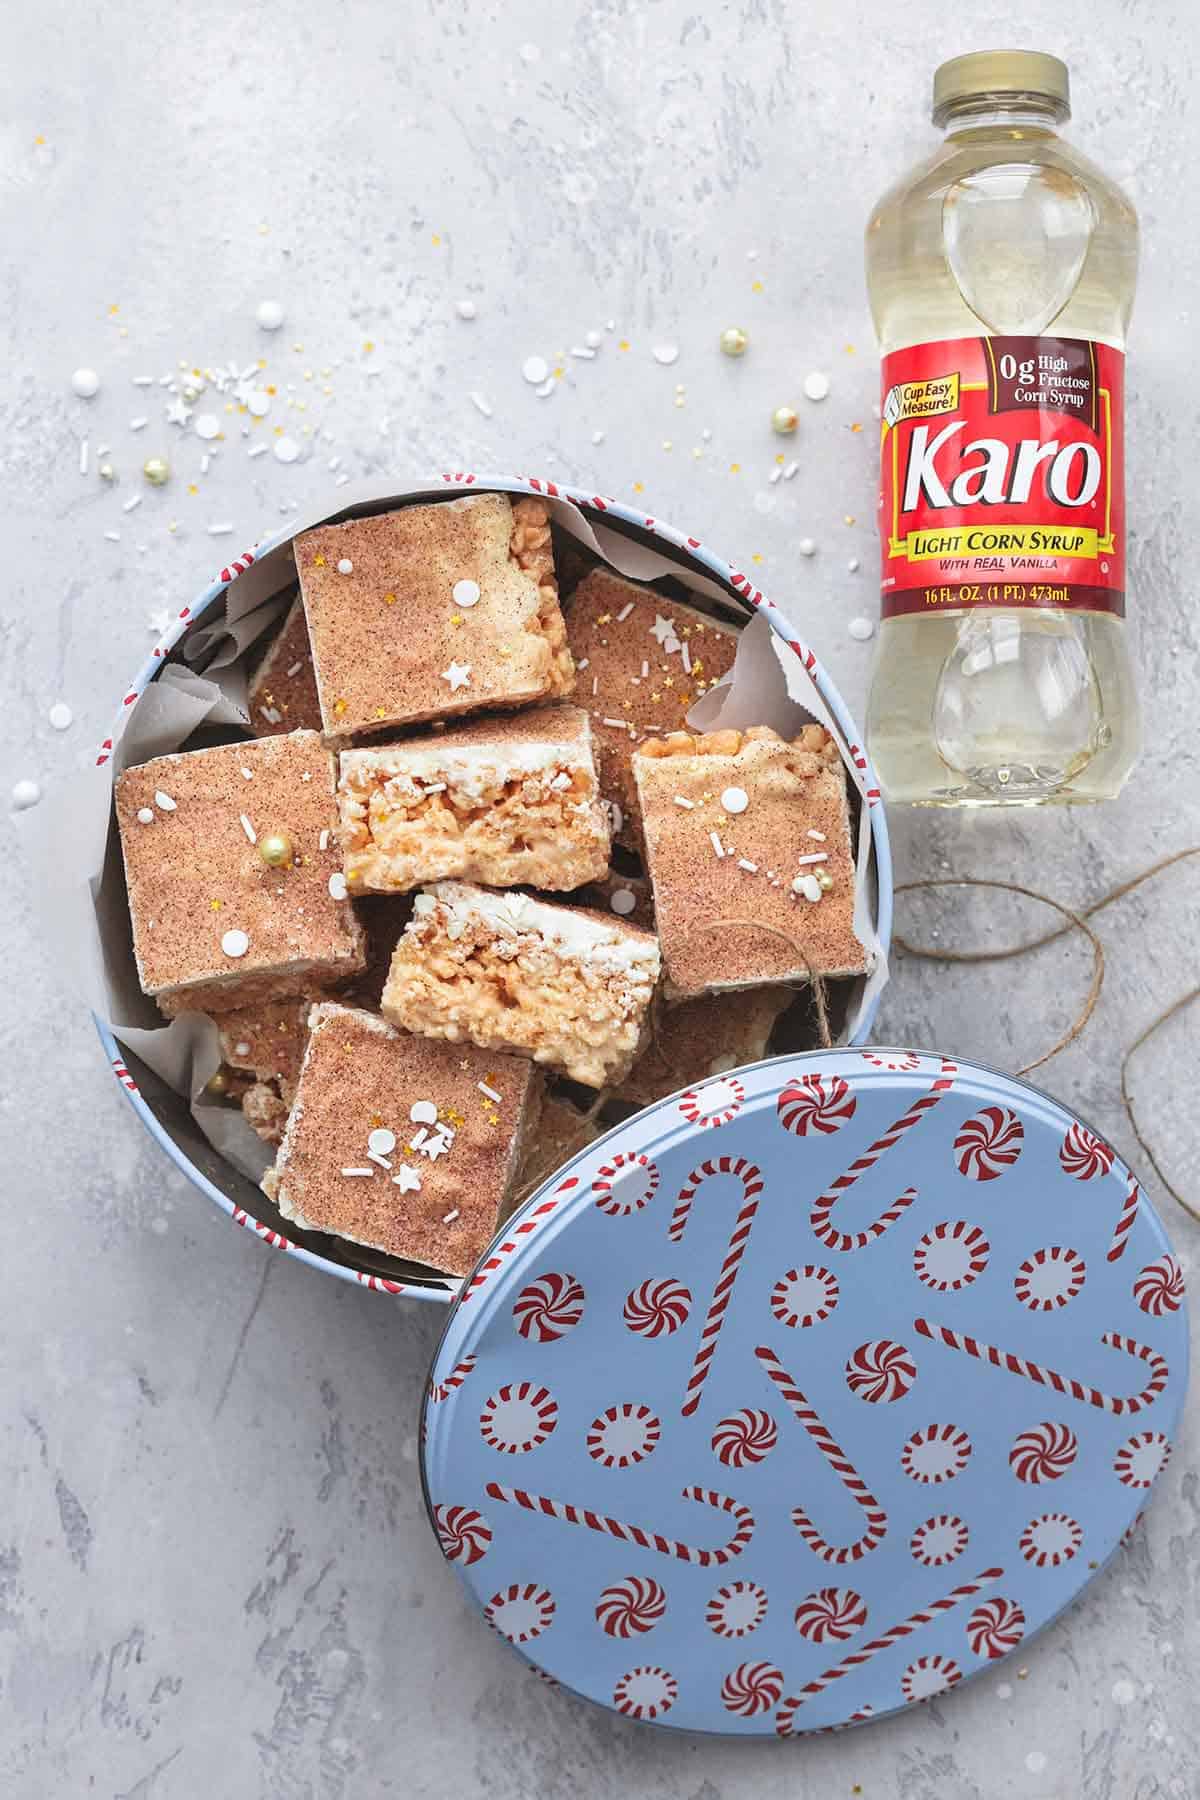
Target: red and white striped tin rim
[[592, 505]]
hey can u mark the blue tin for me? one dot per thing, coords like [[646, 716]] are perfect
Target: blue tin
[[806, 1394], [166, 1116]]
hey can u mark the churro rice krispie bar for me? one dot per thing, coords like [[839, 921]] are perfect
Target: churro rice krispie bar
[[282, 694]]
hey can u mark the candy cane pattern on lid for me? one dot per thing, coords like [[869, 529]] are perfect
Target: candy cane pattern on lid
[[646, 1693], [657, 1308], [831, 1613], [618, 1192], [379, 1284], [951, 1256], [1158, 1288], [1043, 1453], [267, 1233], [1050, 1540], [819, 1218], [805, 1296], [929, 1676], [1049, 1278], [631, 1607], [989, 1143], [1124, 1224], [816, 1103], [549, 1307], [237, 567], [751, 1688], [518, 1417], [745, 1438], [1084, 1155], [463, 1533], [713, 1102], [520, 1611], [623, 1435], [635, 1534], [938, 1541], [736, 1609], [519, 1234], [752, 1186], [935, 1454], [123, 1076], [1141, 1459], [442, 1390], [896, 1061], [995, 1627], [785, 1718], [1062, 1384], [839, 1462]]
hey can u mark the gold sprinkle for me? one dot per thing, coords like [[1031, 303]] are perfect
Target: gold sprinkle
[[670, 681], [381, 712], [639, 487], [604, 619], [192, 488], [857, 425], [39, 139], [756, 287], [376, 1118], [436, 239], [271, 389], [849, 349], [558, 373], [214, 906], [370, 343], [339, 707], [318, 562], [624, 344], [756, 557], [735, 468], [389, 599], [114, 308], [780, 458], [698, 667], [656, 695], [456, 618], [848, 519]]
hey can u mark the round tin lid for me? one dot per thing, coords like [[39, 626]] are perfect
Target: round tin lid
[[806, 1393]]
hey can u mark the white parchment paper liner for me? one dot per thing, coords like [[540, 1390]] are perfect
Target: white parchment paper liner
[[72, 843]]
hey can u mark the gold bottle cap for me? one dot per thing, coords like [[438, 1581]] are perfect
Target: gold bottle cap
[[1001, 73]]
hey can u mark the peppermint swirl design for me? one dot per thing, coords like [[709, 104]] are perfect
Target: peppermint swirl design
[[714, 1103], [928, 1677], [815, 1103], [745, 1438], [995, 1627], [520, 1612], [951, 1256], [548, 1308], [831, 1615], [625, 1184], [1050, 1540], [631, 1607], [1141, 1459], [1084, 1155], [623, 1435], [1043, 1453], [657, 1307], [736, 1609], [988, 1144], [645, 1693], [1159, 1287], [752, 1688], [880, 1371], [898, 1061], [464, 1534], [1049, 1278], [935, 1454], [518, 1417], [804, 1296], [938, 1541]]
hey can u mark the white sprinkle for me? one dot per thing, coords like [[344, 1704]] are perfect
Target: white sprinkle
[[337, 885], [449, 1218], [489, 1093], [1123, 1692], [247, 774], [685, 656], [207, 425], [358, 1172], [816, 856], [465, 593], [83, 456], [593, 338], [408, 1181], [775, 475], [743, 863], [339, 481], [220, 528], [861, 629], [434, 787], [465, 309], [809, 886], [248, 828], [85, 383], [458, 675], [142, 380], [60, 715], [530, 53], [25, 793], [715, 841], [546, 389], [241, 1048], [535, 370], [381, 1141], [258, 450], [286, 449], [852, 565], [145, 816], [258, 404], [1035, 1762], [560, 781], [818, 835], [807, 547], [595, 685], [323, 840], [380, 1162], [816, 385], [624, 612], [735, 800], [622, 900], [269, 315], [584, 350], [235, 943], [134, 501], [164, 801], [423, 1112], [790, 471], [621, 724], [681, 800], [295, 669], [597, 437], [481, 404], [666, 354], [114, 537]]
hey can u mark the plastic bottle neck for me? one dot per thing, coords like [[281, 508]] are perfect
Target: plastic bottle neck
[[1009, 115]]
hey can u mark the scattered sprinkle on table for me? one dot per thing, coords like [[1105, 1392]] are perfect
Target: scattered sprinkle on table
[[665, 354], [465, 309], [286, 449], [60, 715], [85, 383], [807, 547], [269, 315], [481, 404], [207, 426], [25, 794], [235, 943], [861, 629], [220, 528], [816, 385], [535, 370]]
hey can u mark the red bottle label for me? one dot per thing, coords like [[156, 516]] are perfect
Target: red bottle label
[[1002, 476]]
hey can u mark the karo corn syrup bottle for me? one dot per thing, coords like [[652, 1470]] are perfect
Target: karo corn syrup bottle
[[1001, 275]]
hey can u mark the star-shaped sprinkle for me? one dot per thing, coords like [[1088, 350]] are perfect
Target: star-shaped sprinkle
[[662, 629], [178, 413], [458, 675], [408, 1181]]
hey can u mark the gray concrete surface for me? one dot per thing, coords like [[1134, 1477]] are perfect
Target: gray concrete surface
[[215, 1573]]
